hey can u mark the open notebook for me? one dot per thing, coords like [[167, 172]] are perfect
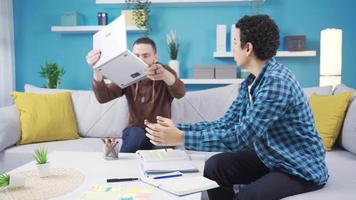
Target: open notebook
[[168, 166], [179, 186], [162, 155], [165, 160]]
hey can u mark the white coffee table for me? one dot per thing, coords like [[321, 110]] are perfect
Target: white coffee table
[[96, 170]]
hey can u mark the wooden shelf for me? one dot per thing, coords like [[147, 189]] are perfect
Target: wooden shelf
[[88, 29], [310, 53], [223, 54], [182, 1], [212, 81]]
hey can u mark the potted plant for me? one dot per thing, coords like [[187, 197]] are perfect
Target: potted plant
[[173, 47], [52, 73], [41, 159], [138, 14], [13, 181]]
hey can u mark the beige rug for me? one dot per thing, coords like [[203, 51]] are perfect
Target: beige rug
[[60, 182]]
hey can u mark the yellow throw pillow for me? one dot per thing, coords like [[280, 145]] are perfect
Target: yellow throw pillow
[[45, 117], [329, 113]]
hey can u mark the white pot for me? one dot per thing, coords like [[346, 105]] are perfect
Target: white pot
[[174, 64], [16, 181], [43, 170]]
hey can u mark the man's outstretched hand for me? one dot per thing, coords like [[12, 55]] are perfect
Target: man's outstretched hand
[[164, 132]]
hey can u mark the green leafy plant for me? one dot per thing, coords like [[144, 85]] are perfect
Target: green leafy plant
[[40, 155], [52, 73], [4, 180], [173, 45], [141, 13]]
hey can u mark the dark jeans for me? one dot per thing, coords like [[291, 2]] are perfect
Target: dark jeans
[[133, 139], [259, 183]]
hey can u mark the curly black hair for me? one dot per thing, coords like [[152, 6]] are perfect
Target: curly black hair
[[262, 32]]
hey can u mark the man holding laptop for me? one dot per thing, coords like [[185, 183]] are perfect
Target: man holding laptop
[[146, 99]]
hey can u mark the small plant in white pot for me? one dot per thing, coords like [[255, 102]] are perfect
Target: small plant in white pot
[[41, 158], [13, 181], [173, 46]]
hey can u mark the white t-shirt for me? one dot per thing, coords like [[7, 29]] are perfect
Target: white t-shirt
[[249, 90]]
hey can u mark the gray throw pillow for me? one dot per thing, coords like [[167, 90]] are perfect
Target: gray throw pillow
[[343, 88], [347, 138], [9, 126], [325, 90]]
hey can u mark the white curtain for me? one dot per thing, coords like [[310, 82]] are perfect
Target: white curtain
[[7, 53]]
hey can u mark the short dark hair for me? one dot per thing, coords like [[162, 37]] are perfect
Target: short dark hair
[[146, 40], [262, 32]]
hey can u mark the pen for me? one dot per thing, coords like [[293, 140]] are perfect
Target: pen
[[111, 180], [167, 176]]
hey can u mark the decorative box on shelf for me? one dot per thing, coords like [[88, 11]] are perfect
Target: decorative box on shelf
[[294, 42], [203, 72], [225, 72], [71, 18]]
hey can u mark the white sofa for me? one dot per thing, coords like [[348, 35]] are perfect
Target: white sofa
[[96, 120]]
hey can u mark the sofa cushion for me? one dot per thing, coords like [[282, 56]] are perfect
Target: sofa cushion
[[204, 105], [329, 113], [347, 137], [342, 181], [325, 90], [343, 88], [45, 117], [94, 119], [9, 126]]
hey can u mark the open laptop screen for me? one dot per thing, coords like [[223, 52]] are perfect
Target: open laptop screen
[[111, 40]]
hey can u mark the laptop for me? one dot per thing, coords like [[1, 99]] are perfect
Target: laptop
[[117, 63]]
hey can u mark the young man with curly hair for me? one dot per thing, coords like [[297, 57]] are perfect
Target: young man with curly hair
[[272, 147]]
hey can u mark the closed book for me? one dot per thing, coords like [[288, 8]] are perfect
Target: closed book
[[221, 38], [232, 37]]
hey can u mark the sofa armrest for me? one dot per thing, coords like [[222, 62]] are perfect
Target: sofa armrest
[[9, 126]]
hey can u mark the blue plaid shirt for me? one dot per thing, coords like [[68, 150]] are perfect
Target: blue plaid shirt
[[277, 123]]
